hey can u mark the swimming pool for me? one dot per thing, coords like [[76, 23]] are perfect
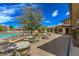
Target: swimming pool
[[7, 35]]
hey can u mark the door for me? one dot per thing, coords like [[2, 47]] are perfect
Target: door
[[67, 31]]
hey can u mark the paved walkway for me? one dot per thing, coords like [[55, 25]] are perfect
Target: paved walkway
[[74, 51], [40, 52], [55, 46]]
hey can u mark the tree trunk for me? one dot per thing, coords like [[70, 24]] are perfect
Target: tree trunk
[[31, 32]]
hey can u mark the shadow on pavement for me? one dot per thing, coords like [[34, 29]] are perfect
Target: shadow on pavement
[[57, 46]]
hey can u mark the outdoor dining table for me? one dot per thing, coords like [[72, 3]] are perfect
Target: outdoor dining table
[[36, 37], [30, 38], [45, 36], [8, 49]]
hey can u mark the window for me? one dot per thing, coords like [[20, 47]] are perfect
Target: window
[[77, 23]]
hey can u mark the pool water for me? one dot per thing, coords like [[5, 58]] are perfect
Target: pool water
[[7, 35]]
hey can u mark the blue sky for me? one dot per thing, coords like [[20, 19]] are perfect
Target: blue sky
[[53, 13]]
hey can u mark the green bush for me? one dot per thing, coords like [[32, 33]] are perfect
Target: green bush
[[75, 34]]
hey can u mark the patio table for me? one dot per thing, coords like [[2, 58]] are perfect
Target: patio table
[[36, 37], [30, 38]]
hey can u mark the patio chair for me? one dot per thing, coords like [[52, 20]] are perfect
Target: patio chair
[[8, 50], [23, 48], [45, 36], [3, 41]]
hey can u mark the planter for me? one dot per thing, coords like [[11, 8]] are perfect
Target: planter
[[75, 34]]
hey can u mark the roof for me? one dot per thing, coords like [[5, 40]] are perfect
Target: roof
[[65, 20], [53, 27], [65, 25]]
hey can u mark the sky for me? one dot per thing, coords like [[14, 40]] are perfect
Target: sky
[[53, 13]]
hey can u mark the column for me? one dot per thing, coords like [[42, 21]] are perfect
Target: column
[[63, 30]]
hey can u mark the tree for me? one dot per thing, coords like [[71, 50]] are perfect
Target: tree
[[30, 18], [1, 27], [41, 28]]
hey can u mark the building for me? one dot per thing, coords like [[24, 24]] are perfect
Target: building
[[74, 15], [53, 29], [66, 26], [74, 12], [63, 28]]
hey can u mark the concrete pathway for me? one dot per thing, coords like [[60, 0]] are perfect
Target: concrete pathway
[[74, 51], [39, 52], [55, 46]]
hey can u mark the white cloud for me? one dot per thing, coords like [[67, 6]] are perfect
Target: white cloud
[[4, 15], [2, 8], [59, 23], [52, 25], [18, 6], [33, 5], [47, 21], [67, 13], [7, 11], [4, 24], [4, 18], [55, 13], [11, 9]]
